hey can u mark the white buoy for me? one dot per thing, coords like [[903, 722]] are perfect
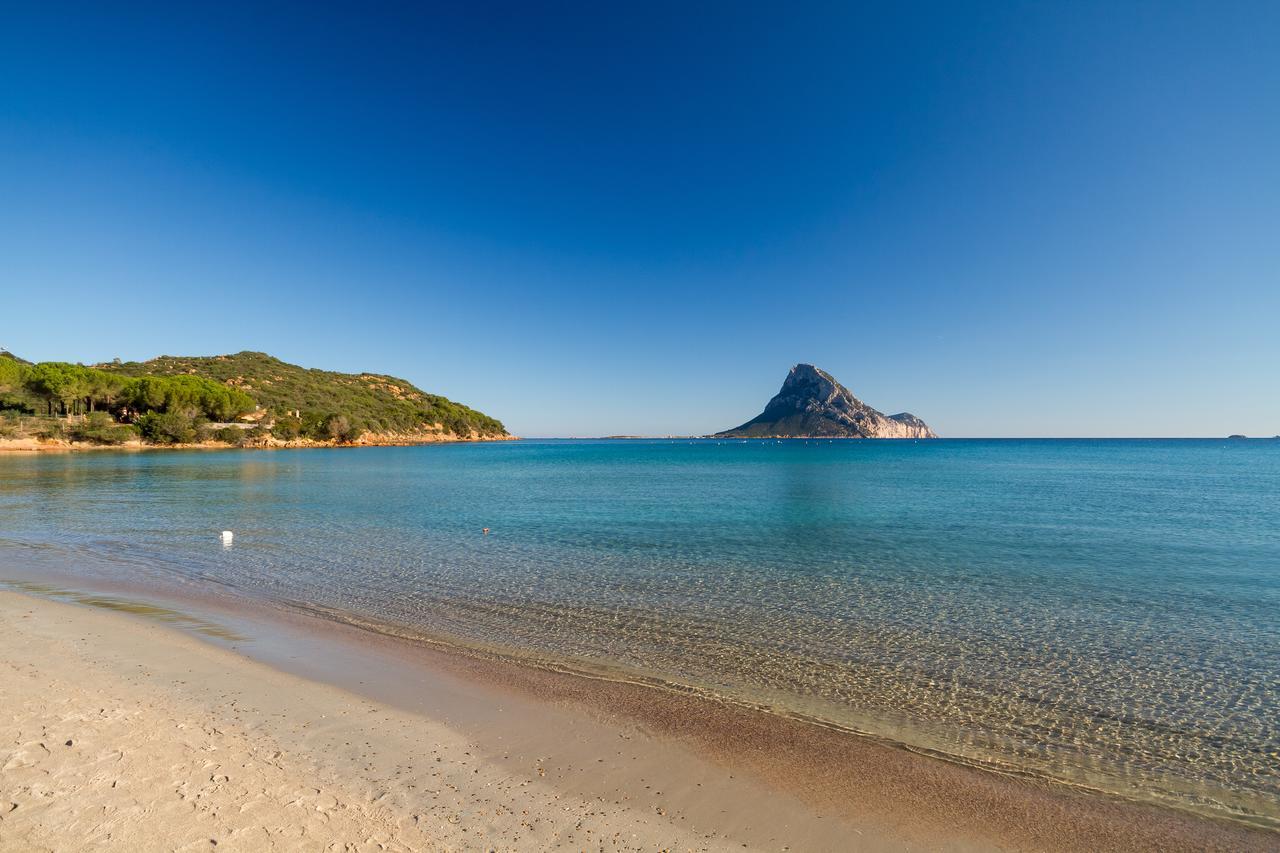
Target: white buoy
[[227, 536]]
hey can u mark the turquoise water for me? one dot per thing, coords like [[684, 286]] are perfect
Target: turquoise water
[[1100, 612]]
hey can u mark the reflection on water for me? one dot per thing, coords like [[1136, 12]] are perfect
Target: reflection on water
[[1106, 613]]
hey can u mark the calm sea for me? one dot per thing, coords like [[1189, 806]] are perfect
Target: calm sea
[[1101, 612]]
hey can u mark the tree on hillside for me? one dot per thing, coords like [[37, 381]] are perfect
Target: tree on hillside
[[102, 387], [55, 382], [146, 394], [177, 393], [13, 374]]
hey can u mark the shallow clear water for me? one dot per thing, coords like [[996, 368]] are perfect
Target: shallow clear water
[[1103, 612]]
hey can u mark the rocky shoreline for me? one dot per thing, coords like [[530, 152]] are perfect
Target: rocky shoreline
[[62, 445]]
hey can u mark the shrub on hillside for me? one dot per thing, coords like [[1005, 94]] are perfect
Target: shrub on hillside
[[287, 428], [11, 427], [339, 428], [315, 425], [101, 428], [48, 430], [227, 435], [177, 427]]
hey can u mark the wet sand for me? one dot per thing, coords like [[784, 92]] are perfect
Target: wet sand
[[261, 729]]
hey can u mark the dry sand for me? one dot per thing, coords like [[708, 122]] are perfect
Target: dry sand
[[119, 733]]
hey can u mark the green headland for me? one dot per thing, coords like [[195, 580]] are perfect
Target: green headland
[[245, 399]]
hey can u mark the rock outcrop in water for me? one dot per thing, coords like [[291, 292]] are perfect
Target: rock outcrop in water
[[812, 404]]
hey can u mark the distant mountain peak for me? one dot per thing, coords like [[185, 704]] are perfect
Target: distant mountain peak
[[812, 404]]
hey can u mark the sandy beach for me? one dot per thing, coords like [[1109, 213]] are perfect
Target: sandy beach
[[121, 732]]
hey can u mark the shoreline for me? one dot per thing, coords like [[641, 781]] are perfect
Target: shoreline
[[880, 789], [22, 445], [471, 767]]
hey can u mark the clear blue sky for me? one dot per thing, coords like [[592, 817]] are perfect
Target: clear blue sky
[[1010, 219]]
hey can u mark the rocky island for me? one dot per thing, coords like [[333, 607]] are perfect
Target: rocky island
[[812, 404]]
